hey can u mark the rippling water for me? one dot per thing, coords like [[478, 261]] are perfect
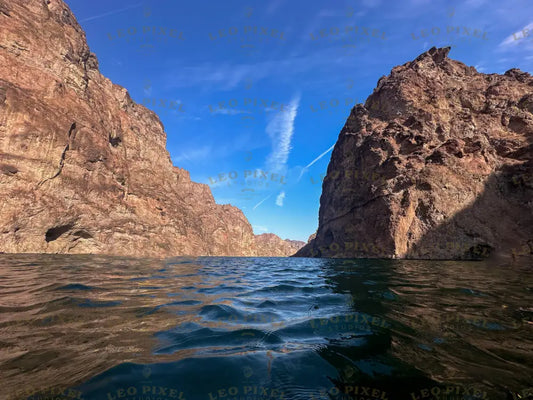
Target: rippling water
[[93, 327]]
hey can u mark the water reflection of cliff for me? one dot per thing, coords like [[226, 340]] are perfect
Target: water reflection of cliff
[[446, 320], [109, 326], [65, 319]]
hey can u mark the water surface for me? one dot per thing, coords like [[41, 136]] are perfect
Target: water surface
[[94, 327]]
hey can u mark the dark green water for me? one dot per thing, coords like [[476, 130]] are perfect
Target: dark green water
[[92, 327]]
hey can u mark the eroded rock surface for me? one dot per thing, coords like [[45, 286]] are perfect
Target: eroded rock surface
[[84, 169], [270, 245], [454, 147]]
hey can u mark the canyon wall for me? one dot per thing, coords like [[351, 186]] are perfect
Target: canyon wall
[[437, 164], [270, 245], [83, 168]]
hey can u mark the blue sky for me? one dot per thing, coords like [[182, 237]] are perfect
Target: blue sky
[[253, 94]]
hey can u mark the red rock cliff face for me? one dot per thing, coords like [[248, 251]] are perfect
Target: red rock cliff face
[[270, 245], [84, 169], [449, 151]]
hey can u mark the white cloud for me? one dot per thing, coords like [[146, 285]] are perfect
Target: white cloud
[[260, 228], [279, 199], [348, 12], [222, 77], [273, 6], [280, 129], [194, 154], [516, 38], [147, 88], [209, 78], [314, 161], [230, 111], [110, 13], [262, 201]]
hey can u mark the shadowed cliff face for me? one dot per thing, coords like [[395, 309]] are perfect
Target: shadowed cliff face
[[84, 169], [453, 150]]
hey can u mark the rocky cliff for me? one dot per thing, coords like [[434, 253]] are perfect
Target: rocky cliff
[[453, 150], [270, 245], [83, 168]]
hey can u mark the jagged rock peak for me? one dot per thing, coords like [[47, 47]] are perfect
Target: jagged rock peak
[[447, 147], [438, 55]]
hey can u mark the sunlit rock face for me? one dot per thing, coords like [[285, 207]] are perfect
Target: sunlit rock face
[[270, 245], [446, 160], [84, 169]]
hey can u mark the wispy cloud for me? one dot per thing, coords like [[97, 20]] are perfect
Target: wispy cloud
[[280, 129], [193, 154], [280, 198], [110, 13], [222, 77], [225, 76], [515, 38], [273, 6], [304, 170], [339, 12], [262, 201], [260, 228], [230, 111]]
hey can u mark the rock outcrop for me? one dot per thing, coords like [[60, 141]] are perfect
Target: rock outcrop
[[454, 150], [270, 245], [83, 168]]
